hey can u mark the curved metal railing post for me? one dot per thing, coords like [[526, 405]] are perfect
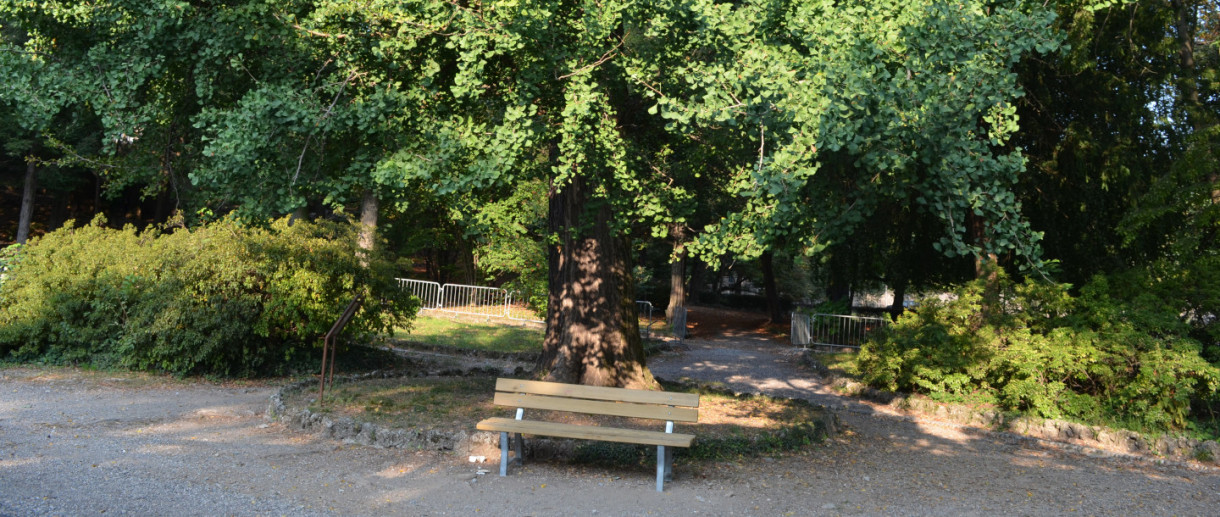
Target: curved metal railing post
[[329, 347]]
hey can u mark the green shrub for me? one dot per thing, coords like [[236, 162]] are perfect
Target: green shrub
[[219, 299], [1034, 348]]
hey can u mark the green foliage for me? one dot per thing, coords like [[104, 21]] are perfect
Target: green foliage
[[1118, 152], [9, 256], [849, 106], [509, 233], [1033, 347], [218, 299]]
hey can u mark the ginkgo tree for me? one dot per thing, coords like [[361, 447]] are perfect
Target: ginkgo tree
[[913, 101], [853, 104], [817, 111]]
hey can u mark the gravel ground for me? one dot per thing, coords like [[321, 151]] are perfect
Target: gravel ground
[[76, 443]]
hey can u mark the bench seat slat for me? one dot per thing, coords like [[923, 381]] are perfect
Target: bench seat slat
[[598, 407], [585, 432], [598, 392]]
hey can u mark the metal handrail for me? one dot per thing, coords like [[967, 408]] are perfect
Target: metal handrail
[[329, 346]]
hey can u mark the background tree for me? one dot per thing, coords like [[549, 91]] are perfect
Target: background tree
[[851, 108], [817, 114], [1120, 127]]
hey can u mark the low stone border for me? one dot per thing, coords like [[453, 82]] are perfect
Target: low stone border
[[829, 421], [478, 443], [1086, 439], [348, 430]]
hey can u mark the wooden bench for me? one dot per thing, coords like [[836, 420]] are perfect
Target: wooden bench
[[593, 400]]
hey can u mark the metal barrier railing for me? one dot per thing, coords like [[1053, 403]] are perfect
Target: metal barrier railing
[[833, 329], [644, 310], [519, 310], [429, 293], [470, 300]]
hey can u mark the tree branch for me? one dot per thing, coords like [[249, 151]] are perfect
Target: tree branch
[[330, 109], [605, 57]]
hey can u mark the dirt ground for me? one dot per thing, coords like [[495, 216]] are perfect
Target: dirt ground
[[74, 443]]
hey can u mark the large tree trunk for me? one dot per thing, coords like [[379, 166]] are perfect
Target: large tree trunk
[[163, 206], [1186, 25], [698, 271], [900, 294], [67, 206], [1186, 19], [984, 264], [839, 279], [592, 334], [677, 273], [27, 205], [368, 226], [466, 261], [774, 310]]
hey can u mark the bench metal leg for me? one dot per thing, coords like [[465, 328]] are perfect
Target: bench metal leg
[[519, 447], [665, 460], [660, 468], [669, 464], [503, 454]]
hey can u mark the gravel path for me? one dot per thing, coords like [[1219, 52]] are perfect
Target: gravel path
[[75, 443], [890, 463]]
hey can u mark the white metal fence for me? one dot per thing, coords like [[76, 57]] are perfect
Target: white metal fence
[[833, 329], [429, 293], [470, 300]]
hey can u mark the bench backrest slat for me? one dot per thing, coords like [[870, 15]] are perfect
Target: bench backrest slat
[[597, 392], [598, 407]]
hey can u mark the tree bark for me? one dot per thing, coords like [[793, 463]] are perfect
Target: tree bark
[[677, 273], [698, 271], [984, 264], [592, 334], [466, 260], [900, 294], [767, 260], [27, 204], [67, 206], [1186, 25], [1186, 16], [839, 280], [368, 226], [162, 212]]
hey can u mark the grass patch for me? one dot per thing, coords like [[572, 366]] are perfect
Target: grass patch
[[659, 328], [499, 338], [841, 363], [729, 426], [463, 335], [406, 402], [359, 358]]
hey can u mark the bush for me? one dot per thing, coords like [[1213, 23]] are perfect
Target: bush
[[1035, 348], [220, 299]]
